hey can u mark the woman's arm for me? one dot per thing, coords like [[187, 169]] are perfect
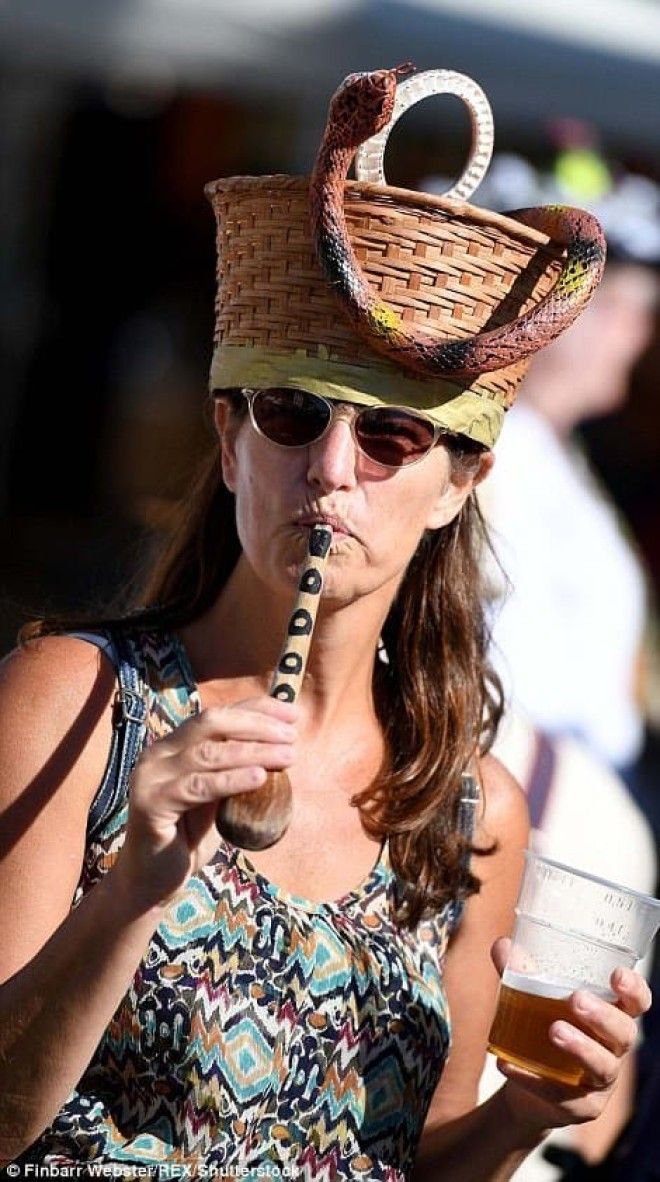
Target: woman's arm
[[488, 1143], [471, 982], [65, 972]]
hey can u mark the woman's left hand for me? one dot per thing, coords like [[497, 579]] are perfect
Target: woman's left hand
[[605, 1033]]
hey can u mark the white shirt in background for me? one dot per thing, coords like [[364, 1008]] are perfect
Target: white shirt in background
[[567, 638]]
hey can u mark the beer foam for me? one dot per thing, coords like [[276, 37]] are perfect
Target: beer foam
[[544, 987]]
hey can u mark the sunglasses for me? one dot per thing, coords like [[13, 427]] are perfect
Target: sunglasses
[[391, 436]]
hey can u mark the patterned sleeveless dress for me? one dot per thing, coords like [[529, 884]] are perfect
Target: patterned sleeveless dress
[[263, 1034]]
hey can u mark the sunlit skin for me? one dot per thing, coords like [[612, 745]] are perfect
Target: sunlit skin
[[382, 514]]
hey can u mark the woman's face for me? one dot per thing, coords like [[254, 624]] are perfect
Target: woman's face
[[378, 515]]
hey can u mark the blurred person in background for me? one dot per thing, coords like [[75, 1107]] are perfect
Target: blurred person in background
[[569, 636], [571, 610], [198, 1009], [571, 631]]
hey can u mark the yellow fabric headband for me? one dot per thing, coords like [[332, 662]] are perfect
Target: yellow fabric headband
[[458, 410]]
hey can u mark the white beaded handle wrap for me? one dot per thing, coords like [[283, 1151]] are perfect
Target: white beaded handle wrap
[[369, 156]]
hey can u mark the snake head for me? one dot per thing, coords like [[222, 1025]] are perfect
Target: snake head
[[361, 107]]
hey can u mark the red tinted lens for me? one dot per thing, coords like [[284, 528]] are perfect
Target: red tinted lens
[[292, 418], [393, 437]]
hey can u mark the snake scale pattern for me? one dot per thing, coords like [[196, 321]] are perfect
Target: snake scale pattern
[[361, 107]]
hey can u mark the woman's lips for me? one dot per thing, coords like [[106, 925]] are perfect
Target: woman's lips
[[336, 524]]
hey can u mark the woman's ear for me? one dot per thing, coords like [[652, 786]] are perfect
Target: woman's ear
[[486, 461], [462, 481], [226, 426]]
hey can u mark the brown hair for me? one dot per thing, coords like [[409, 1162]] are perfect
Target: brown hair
[[436, 698], [439, 704]]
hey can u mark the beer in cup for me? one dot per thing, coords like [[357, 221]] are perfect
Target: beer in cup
[[572, 930]]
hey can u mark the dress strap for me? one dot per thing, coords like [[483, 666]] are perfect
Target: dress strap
[[467, 807], [128, 728], [465, 823], [130, 720]]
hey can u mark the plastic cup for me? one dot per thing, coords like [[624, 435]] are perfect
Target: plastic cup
[[572, 930]]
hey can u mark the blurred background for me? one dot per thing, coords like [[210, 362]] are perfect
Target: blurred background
[[113, 115]]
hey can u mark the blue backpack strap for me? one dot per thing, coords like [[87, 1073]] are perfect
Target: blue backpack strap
[[465, 824], [128, 730]]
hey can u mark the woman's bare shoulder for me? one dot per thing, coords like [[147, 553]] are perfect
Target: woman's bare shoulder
[[56, 696], [54, 680], [55, 731], [503, 797], [52, 656], [55, 717], [504, 816]]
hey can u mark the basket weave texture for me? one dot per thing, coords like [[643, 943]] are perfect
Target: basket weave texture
[[449, 268]]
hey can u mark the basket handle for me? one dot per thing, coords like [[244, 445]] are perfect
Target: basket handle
[[576, 230], [370, 155]]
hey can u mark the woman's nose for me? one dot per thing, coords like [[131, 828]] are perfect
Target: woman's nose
[[333, 459]]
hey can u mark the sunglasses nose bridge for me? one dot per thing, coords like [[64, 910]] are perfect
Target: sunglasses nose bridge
[[333, 456], [339, 412], [342, 412]]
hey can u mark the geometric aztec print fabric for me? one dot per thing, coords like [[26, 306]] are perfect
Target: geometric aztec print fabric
[[260, 1030]]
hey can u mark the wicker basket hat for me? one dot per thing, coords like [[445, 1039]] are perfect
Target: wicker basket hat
[[441, 265]]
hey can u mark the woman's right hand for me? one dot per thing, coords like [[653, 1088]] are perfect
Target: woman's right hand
[[178, 781]]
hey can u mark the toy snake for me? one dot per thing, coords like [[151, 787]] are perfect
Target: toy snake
[[360, 109]]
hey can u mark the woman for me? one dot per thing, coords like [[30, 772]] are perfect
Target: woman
[[202, 1012]]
